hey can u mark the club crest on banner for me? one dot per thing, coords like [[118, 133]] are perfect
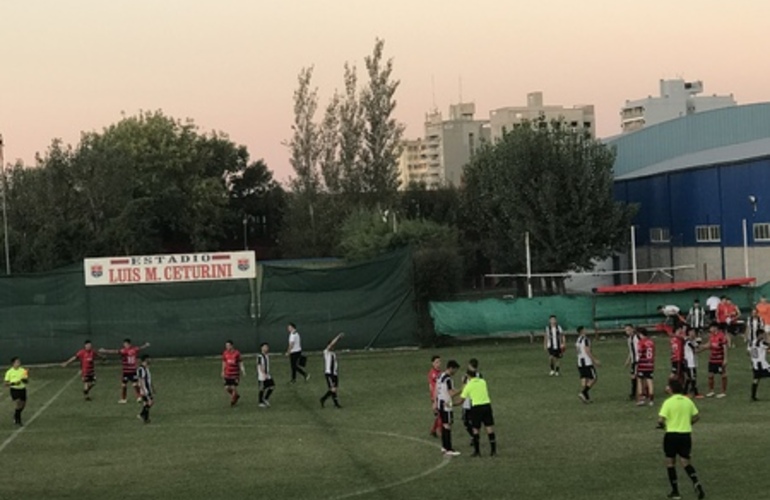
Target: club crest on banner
[[97, 271], [243, 264]]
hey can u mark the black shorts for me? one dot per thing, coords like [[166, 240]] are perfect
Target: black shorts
[[129, 377], [265, 384], [89, 378], [482, 414], [677, 443], [716, 368], [677, 367], [644, 375], [332, 381], [18, 394], [148, 399], [758, 374], [633, 369], [556, 353], [231, 382], [446, 417], [587, 372]]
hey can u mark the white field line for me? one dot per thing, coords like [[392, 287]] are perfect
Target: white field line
[[48, 403]]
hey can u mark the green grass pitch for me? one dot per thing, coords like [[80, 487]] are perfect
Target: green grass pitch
[[551, 446]]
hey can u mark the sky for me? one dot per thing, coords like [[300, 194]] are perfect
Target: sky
[[231, 65]]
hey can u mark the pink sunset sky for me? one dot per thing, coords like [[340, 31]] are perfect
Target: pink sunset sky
[[231, 65]]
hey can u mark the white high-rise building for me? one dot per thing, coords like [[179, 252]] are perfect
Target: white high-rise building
[[677, 98], [581, 117], [439, 158]]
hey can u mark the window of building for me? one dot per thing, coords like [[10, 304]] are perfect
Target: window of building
[[708, 234], [660, 235], [586, 124], [762, 231]]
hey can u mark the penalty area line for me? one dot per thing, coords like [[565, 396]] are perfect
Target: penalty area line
[[48, 403]]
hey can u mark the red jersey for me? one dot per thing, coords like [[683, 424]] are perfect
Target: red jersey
[[232, 360], [433, 376], [646, 348], [717, 345], [128, 359], [677, 348], [86, 358], [727, 313]]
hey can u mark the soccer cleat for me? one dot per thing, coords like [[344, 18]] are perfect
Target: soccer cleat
[[699, 396], [721, 395], [699, 490], [558, 374], [433, 434], [235, 399], [139, 399], [262, 405], [674, 496], [493, 454], [451, 453], [641, 402], [754, 399], [121, 401], [267, 403], [710, 394], [651, 403], [551, 374], [307, 377], [582, 397]]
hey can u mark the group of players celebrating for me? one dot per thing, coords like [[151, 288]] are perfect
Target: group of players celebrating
[[473, 395]]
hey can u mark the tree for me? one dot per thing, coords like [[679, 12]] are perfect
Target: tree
[[555, 184], [304, 145], [382, 132], [351, 127], [329, 140], [145, 185]]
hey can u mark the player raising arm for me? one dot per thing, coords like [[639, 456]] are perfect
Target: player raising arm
[[331, 372], [87, 370], [128, 359]]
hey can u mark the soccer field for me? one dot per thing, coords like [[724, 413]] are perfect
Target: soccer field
[[551, 446]]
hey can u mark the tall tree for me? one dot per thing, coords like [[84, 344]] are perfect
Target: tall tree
[[329, 140], [555, 184], [382, 132], [304, 145], [351, 132]]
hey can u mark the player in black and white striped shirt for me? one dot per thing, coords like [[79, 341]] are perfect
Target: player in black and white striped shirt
[[696, 317], [264, 378], [144, 377], [633, 356], [331, 372], [754, 325], [554, 343]]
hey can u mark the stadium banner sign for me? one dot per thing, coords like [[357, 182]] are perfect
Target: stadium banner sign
[[171, 268]]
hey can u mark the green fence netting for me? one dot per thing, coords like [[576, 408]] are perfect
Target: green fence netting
[[496, 316], [491, 317], [46, 317]]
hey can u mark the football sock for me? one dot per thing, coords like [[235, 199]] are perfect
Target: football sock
[[17, 416], [552, 366], [469, 428], [711, 384], [476, 443], [493, 442], [724, 383], [686, 387], [557, 368], [268, 392], [136, 391], [446, 443], [633, 388], [336, 401], [690, 470], [122, 393], [262, 396], [672, 479], [754, 390], [585, 392]]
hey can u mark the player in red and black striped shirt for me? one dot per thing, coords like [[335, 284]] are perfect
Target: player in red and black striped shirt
[[232, 368], [645, 368], [128, 358], [86, 356], [677, 340], [717, 344]]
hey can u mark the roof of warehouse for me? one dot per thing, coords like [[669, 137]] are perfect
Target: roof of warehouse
[[704, 131], [725, 154]]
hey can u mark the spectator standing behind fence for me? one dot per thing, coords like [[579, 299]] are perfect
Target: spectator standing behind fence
[[712, 303], [554, 343], [763, 309], [294, 351], [696, 317]]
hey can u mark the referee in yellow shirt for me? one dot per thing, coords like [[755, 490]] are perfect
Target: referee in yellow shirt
[[16, 379], [476, 392], [676, 416]]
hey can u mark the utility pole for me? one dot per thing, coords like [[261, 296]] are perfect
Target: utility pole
[[5, 209]]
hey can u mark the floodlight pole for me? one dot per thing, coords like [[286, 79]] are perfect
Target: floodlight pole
[[529, 265], [5, 210], [745, 248], [633, 255]]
